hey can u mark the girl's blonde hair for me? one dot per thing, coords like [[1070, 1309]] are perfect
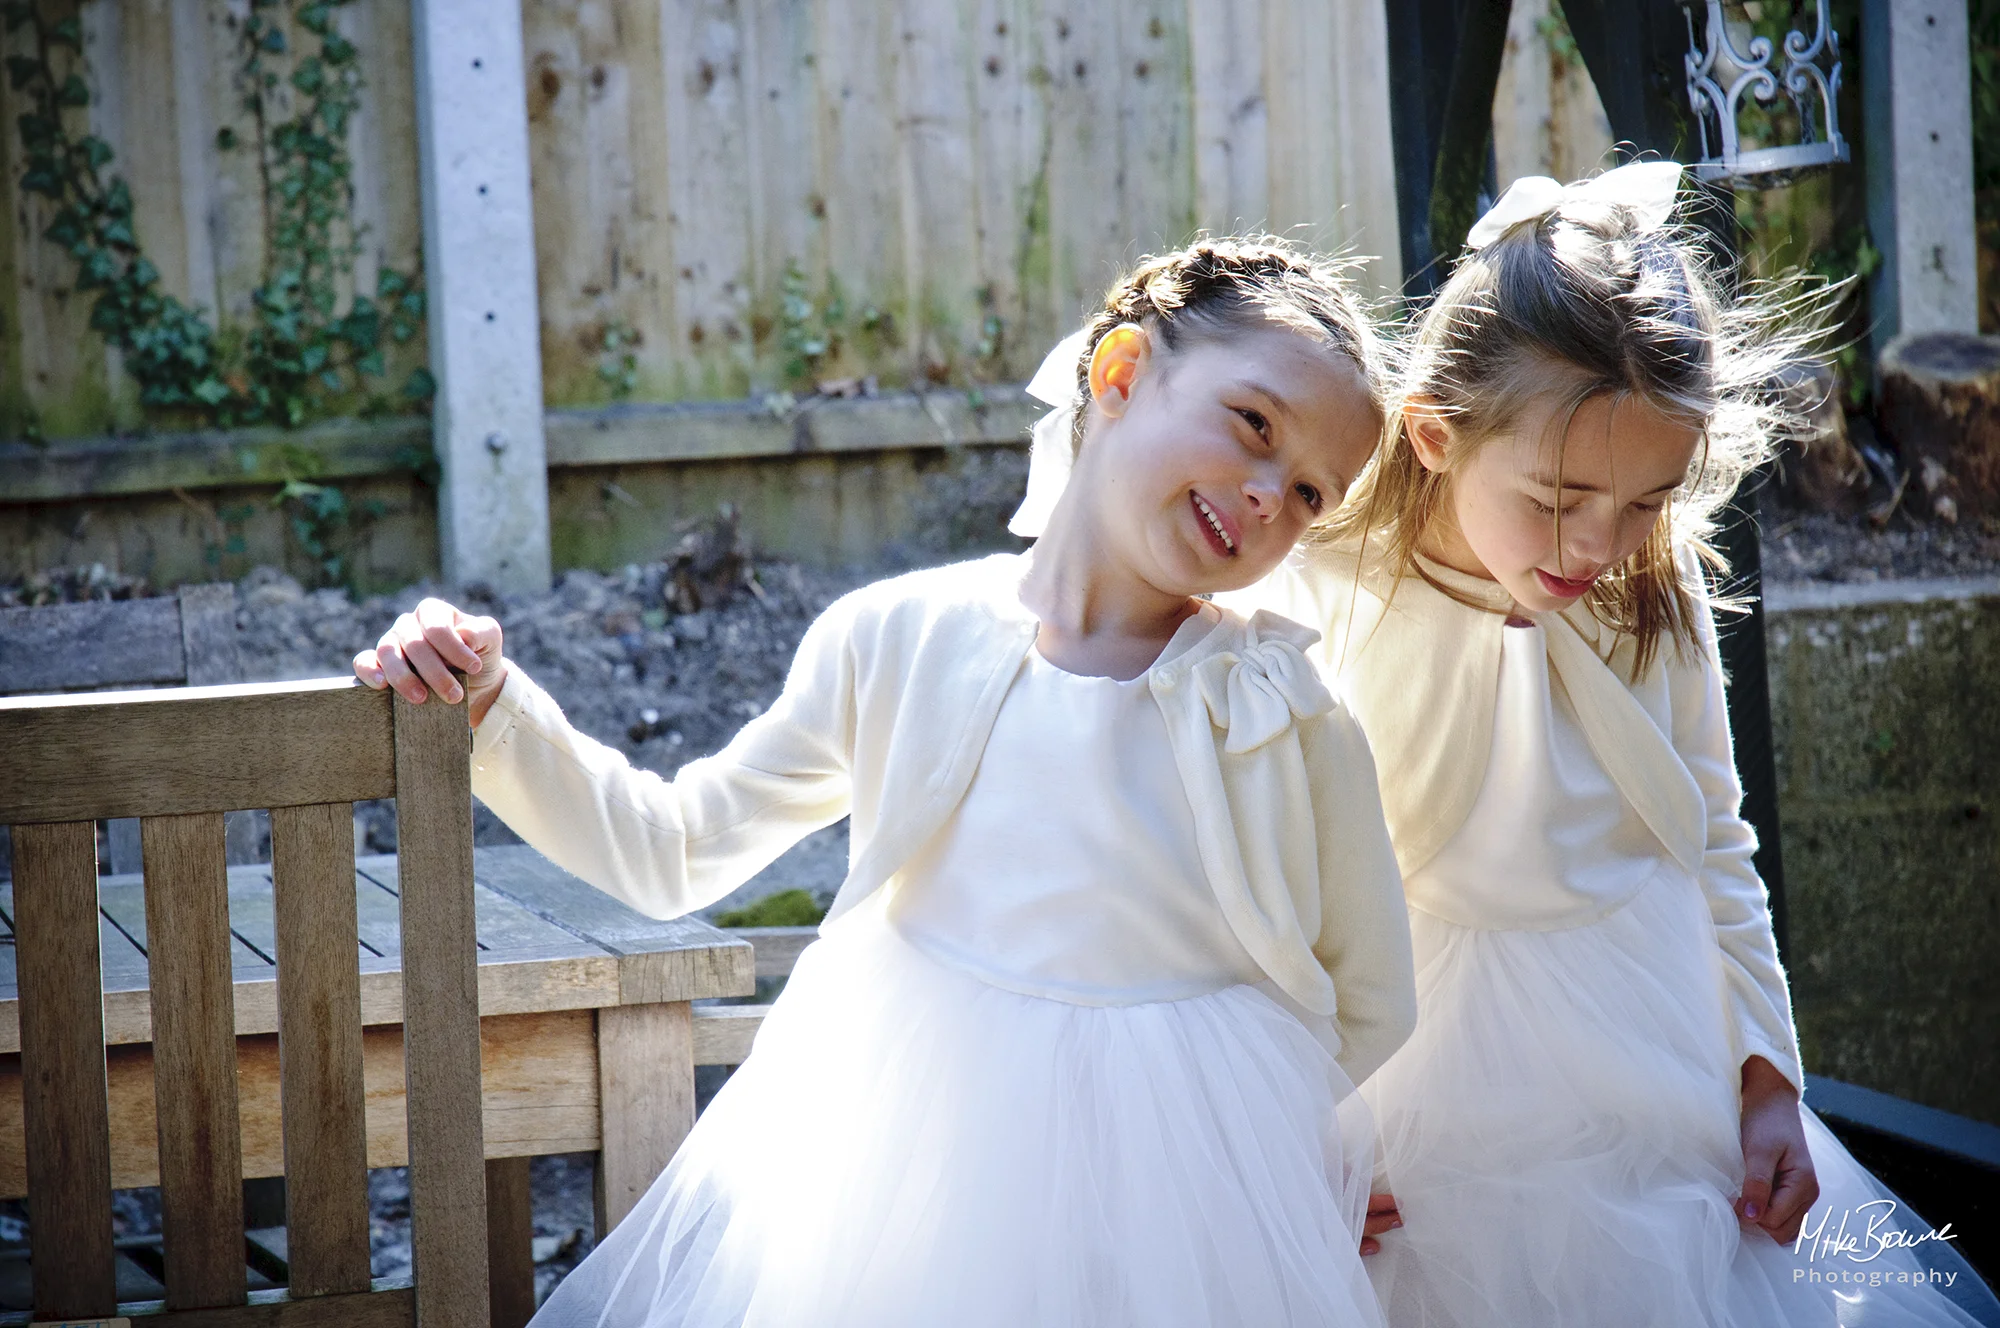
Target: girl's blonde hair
[[1219, 285], [1580, 303]]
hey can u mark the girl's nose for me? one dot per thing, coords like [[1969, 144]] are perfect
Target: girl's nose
[[1586, 542], [1266, 496]]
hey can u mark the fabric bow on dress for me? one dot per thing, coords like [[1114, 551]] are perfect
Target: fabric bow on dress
[[1254, 695]]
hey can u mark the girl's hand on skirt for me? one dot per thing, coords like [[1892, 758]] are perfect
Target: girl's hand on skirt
[[424, 646], [1778, 1180], [1382, 1216]]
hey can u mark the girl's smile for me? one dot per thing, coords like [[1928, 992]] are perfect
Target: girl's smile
[[1223, 533]]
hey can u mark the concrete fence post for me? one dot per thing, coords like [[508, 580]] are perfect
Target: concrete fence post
[[1916, 90], [479, 267]]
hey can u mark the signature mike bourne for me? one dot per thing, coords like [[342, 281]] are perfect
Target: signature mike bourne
[[1876, 1232]]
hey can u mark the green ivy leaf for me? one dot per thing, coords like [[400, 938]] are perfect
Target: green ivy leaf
[[75, 92], [95, 150], [225, 138], [16, 12], [316, 18], [273, 40], [420, 385], [119, 233], [371, 364], [68, 33], [22, 71], [211, 391], [338, 49], [41, 182], [118, 199], [309, 76], [143, 271]]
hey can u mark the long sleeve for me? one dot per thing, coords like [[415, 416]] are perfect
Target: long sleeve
[[1759, 1002], [667, 847], [1364, 937]]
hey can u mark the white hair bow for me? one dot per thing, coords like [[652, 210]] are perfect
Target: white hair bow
[[1647, 187], [1053, 451]]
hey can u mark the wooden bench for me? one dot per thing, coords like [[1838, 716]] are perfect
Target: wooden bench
[[187, 637], [206, 1025]]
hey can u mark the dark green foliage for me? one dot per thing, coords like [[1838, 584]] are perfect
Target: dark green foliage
[[300, 357], [787, 908]]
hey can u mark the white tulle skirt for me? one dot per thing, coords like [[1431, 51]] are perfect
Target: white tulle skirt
[[1562, 1137], [909, 1147]]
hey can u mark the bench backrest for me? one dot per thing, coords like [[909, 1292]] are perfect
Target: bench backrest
[[178, 760]]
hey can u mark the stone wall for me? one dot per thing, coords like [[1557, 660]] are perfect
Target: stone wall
[[1886, 711]]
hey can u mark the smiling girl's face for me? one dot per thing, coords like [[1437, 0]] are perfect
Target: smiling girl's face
[[1206, 464], [1546, 522]]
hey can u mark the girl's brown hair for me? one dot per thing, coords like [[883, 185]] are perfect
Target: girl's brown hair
[[1219, 285], [1580, 303]]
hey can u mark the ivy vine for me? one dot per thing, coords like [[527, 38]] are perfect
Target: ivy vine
[[301, 356]]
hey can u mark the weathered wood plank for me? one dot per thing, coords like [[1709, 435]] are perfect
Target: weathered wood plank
[[441, 1013], [65, 1119], [376, 904], [724, 1034], [778, 948], [645, 1060], [1010, 186], [194, 1060], [540, 1093], [387, 1304], [320, 1065], [1230, 113], [676, 959], [567, 87], [1156, 170], [510, 1234], [859, 178], [942, 259], [173, 752], [123, 901], [708, 194], [507, 931], [102, 466], [65, 647]]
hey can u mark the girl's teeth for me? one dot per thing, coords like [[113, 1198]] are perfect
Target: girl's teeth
[[1215, 524]]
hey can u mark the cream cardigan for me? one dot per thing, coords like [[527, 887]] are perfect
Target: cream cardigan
[[1420, 671], [884, 717]]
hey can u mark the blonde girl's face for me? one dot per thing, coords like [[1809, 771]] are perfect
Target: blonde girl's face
[[1546, 521], [1207, 464]]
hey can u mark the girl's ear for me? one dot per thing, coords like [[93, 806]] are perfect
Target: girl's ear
[[1429, 434], [1116, 366]]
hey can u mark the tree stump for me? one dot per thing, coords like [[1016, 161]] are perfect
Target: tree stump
[[1940, 402], [1819, 469]]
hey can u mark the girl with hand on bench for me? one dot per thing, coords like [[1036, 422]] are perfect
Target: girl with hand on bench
[[1122, 927]]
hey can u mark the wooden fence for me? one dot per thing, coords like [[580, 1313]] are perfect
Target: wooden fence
[[930, 190]]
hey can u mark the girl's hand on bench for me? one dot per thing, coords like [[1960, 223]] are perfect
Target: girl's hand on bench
[[419, 651]]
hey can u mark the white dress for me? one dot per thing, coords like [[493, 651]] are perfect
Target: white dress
[[1036, 1084], [1562, 1132]]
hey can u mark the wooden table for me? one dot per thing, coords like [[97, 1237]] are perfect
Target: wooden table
[[587, 1037]]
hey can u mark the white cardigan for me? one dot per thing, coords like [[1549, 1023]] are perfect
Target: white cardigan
[[885, 716], [1420, 671]]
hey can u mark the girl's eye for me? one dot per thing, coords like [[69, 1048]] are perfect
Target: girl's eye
[[1256, 420], [1540, 508], [1650, 509], [1311, 495]]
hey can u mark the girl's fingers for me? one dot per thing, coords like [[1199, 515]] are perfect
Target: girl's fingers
[[423, 657], [396, 671], [440, 623], [1797, 1188], [1370, 1245], [369, 671]]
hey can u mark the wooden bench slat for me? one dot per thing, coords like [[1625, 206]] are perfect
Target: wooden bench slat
[[778, 948], [65, 1112], [724, 1034], [645, 1077], [320, 1066], [198, 749], [441, 1014], [123, 899], [194, 1059], [379, 910]]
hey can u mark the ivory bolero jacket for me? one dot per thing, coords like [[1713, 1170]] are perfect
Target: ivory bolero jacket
[[884, 717], [1420, 671]]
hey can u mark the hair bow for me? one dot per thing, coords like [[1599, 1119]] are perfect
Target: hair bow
[[1053, 452], [1647, 187]]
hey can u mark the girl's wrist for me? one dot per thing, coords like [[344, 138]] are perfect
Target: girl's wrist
[[478, 702], [1762, 1080]]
